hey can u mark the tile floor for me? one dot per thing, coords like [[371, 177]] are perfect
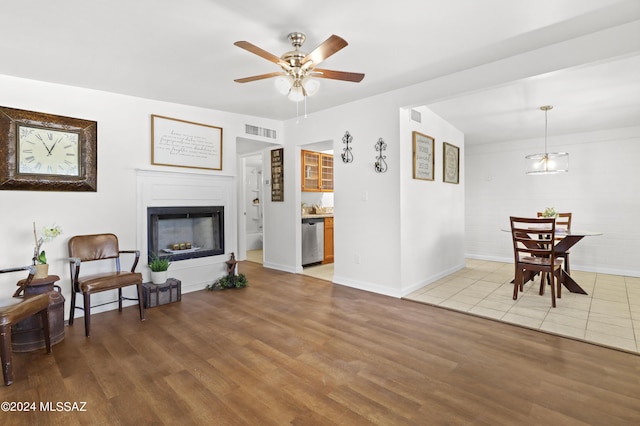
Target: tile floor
[[254, 256], [324, 272], [609, 315]]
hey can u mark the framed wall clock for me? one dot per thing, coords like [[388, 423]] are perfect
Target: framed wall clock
[[45, 152]]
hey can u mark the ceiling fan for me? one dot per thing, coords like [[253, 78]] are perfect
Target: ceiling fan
[[298, 68]]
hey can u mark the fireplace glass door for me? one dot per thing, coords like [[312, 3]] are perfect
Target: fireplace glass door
[[185, 232]]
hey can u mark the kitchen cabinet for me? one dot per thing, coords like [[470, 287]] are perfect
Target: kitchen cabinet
[[328, 240], [317, 171]]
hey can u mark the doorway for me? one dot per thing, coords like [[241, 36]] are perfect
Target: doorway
[[250, 161], [324, 200], [253, 207]]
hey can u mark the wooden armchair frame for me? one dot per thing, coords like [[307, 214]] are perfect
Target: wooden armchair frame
[[90, 248]]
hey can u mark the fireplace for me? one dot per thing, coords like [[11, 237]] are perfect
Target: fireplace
[[185, 232]]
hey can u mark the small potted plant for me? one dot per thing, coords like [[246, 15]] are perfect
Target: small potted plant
[[550, 212], [47, 234], [159, 266]]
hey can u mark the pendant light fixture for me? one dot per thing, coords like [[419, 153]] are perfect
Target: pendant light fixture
[[547, 162]]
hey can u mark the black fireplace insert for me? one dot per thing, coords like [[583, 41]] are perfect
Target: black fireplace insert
[[185, 232]]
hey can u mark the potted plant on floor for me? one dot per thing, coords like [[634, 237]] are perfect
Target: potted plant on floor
[[159, 266], [228, 281]]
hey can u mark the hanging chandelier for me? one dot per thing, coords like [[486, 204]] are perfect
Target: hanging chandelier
[[546, 162]]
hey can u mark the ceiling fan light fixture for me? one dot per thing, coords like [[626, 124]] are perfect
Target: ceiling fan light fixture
[[283, 84], [296, 94], [294, 81], [311, 86], [546, 163]]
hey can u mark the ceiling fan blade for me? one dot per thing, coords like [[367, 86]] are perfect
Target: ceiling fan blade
[[258, 77], [355, 77], [322, 52], [261, 52]]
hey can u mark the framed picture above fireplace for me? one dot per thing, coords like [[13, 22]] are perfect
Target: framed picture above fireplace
[[184, 143]]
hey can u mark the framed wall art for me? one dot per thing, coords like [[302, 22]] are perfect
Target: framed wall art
[[183, 143], [423, 158], [277, 174], [451, 166], [46, 152]]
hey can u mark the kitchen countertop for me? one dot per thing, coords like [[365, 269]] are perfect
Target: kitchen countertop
[[314, 216]]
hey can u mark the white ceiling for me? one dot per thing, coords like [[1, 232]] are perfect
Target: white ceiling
[[183, 52]]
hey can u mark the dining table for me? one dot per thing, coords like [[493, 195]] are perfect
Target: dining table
[[562, 246]]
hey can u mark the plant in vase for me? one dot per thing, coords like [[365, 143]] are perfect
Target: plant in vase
[[550, 212], [47, 234], [159, 266]]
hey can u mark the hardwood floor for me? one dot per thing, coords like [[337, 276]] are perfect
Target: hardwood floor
[[293, 349]]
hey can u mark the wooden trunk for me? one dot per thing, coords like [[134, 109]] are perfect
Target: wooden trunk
[[161, 294]]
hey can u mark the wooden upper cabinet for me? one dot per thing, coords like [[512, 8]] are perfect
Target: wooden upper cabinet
[[317, 171], [326, 172]]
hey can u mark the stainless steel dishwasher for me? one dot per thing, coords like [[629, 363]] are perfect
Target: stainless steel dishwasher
[[312, 240]]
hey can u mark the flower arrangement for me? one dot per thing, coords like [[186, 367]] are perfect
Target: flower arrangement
[[550, 212], [47, 234]]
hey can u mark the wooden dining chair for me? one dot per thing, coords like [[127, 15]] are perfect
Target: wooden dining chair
[[533, 251], [15, 309], [563, 227], [100, 247]]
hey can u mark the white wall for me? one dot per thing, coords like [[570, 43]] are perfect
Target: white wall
[[366, 203], [432, 212], [124, 146], [601, 189], [280, 240], [370, 236]]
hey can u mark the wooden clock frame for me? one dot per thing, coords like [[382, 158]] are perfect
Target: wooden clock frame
[[11, 179]]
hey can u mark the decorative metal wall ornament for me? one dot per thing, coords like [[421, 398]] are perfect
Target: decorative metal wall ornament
[[381, 165], [347, 156]]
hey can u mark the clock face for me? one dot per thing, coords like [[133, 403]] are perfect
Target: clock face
[[48, 152]]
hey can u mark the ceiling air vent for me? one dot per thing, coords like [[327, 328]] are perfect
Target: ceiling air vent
[[416, 116], [260, 131]]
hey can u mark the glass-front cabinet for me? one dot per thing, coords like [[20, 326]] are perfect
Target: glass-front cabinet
[[326, 172], [317, 171]]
